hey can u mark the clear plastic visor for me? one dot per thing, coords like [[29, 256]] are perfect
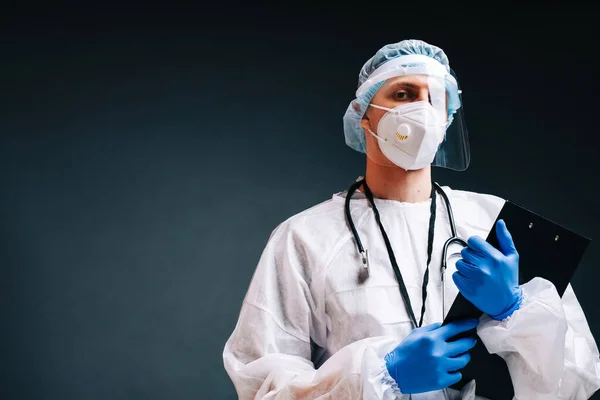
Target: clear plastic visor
[[420, 78]]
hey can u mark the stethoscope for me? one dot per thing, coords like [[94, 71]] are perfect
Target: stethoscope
[[435, 188]]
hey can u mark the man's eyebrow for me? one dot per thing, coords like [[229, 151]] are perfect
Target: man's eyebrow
[[403, 83]]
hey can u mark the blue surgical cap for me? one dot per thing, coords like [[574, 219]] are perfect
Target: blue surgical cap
[[354, 133]]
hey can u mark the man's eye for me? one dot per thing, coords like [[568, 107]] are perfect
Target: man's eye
[[401, 95]]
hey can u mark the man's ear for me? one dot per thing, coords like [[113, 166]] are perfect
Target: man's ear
[[364, 122]]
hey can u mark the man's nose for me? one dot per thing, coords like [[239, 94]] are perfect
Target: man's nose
[[424, 95]]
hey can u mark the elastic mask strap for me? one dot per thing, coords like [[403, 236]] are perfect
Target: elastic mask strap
[[387, 142], [381, 108], [375, 135]]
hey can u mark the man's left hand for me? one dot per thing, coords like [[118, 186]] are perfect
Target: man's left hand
[[489, 277]]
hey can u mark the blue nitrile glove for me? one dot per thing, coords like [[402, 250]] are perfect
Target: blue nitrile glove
[[427, 360], [489, 277]]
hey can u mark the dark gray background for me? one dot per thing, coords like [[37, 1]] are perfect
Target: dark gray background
[[146, 154]]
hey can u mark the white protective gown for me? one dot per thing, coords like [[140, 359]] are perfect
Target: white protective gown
[[309, 330]]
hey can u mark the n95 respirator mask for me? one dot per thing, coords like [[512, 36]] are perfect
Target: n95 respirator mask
[[409, 135]]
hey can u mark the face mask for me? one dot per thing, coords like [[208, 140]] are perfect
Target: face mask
[[410, 134]]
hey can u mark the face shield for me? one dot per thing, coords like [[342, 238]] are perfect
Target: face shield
[[422, 78]]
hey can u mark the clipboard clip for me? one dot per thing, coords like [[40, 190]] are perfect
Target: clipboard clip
[[555, 237]]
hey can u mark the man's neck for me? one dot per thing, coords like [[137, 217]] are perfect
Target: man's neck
[[394, 183]]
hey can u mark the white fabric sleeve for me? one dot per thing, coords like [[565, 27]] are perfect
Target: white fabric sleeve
[[268, 355], [547, 345]]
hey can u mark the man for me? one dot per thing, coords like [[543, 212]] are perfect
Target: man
[[332, 310]]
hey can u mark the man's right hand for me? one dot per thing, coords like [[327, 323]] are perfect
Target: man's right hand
[[428, 360]]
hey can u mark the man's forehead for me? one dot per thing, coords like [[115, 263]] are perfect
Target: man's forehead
[[413, 80]]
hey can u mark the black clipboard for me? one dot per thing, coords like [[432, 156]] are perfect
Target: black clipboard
[[546, 250]]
